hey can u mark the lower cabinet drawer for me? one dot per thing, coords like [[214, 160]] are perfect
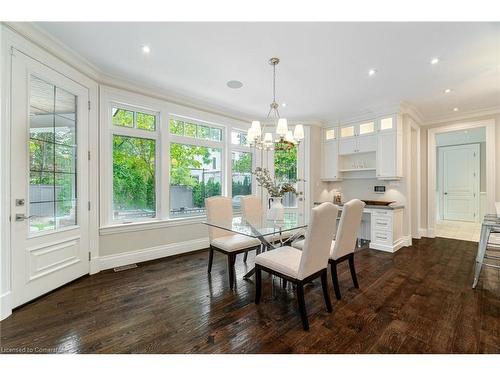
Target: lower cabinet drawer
[[382, 237]]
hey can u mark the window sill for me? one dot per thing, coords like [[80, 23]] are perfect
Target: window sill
[[149, 225]]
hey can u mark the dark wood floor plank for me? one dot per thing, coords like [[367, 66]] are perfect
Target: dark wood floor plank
[[418, 300]]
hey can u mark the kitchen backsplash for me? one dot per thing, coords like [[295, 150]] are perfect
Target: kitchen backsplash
[[362, 189]]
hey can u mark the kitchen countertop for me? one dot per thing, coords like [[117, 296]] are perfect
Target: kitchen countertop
[[392, 206]]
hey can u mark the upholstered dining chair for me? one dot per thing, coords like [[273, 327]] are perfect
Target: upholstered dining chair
[[252, 211], [220, 211], [301, 267], [343, 247]]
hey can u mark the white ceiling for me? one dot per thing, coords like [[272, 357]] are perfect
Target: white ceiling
[[323, 69]]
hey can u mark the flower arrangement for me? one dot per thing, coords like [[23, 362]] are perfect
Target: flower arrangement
[[275, 189]]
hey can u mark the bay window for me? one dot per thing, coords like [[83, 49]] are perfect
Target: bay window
[[159, 166]]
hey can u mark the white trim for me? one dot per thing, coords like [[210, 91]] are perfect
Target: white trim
[[461, 116], [489, 124], [5, 305], [308, 198], [151, 253], [156, 224], [422, 232], [404, 241], [410, 188]]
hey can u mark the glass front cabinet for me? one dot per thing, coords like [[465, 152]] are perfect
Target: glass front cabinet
[[366, 149]]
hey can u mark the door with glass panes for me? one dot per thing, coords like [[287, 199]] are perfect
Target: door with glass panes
[[49, 179]]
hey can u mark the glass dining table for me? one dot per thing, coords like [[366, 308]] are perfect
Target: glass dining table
[[270, 233]]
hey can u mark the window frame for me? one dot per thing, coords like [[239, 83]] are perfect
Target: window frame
[[113, 97], [199, 142], [238, 148], [134, 132]]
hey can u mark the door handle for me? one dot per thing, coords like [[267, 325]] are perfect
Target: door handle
[[445, 193], [22, 217]]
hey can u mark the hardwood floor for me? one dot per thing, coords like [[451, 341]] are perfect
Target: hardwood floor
[[418, 300]]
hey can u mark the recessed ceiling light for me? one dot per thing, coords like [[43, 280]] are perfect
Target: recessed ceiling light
[[146, 49], [234, 84], [283, 104], [372, 72], [455, 109], [434, 60], [447, 91]]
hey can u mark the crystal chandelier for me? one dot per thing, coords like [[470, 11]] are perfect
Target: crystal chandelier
[[257, 136]]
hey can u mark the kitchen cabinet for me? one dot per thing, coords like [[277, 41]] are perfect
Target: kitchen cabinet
[[387, 230], [389, 148], [352, 145], [368, 149], [330, 156]]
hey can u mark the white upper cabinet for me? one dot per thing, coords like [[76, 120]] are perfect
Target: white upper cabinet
[[355, 138], [389, 148], [387, 123], [366, 128], [331, 134], [357, 149], [330, 155], [348, 146], [367, 143], [347, 131]]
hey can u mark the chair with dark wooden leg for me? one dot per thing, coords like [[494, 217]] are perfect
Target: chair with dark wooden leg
[[301, 267], [345, 242], [220, 211]]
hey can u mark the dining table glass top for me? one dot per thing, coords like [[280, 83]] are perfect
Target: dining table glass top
[[261, 227]]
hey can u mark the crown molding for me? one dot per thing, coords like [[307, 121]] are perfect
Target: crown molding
[[48, 43], [412, 111], [489, 111], [53, 46]]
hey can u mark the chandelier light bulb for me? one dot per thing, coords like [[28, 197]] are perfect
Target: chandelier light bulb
[[256, 128], [298, 132], [282, 127], [268, 138]]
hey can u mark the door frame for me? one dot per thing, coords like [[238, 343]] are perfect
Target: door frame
[[12, 42], [489, 125], [441, 178]]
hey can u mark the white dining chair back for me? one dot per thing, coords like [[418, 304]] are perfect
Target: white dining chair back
[[318, 240], [347, 232], [219, 211], [251, 207]]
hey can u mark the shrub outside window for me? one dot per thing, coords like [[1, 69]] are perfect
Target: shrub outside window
[[195, 174], [134, 174]]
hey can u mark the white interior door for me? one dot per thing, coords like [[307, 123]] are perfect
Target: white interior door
[[460, 177], [49, 179]]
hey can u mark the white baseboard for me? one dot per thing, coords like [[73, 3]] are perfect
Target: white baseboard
[[143, 255], [429, 233], [5, 305], [402, 242]]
